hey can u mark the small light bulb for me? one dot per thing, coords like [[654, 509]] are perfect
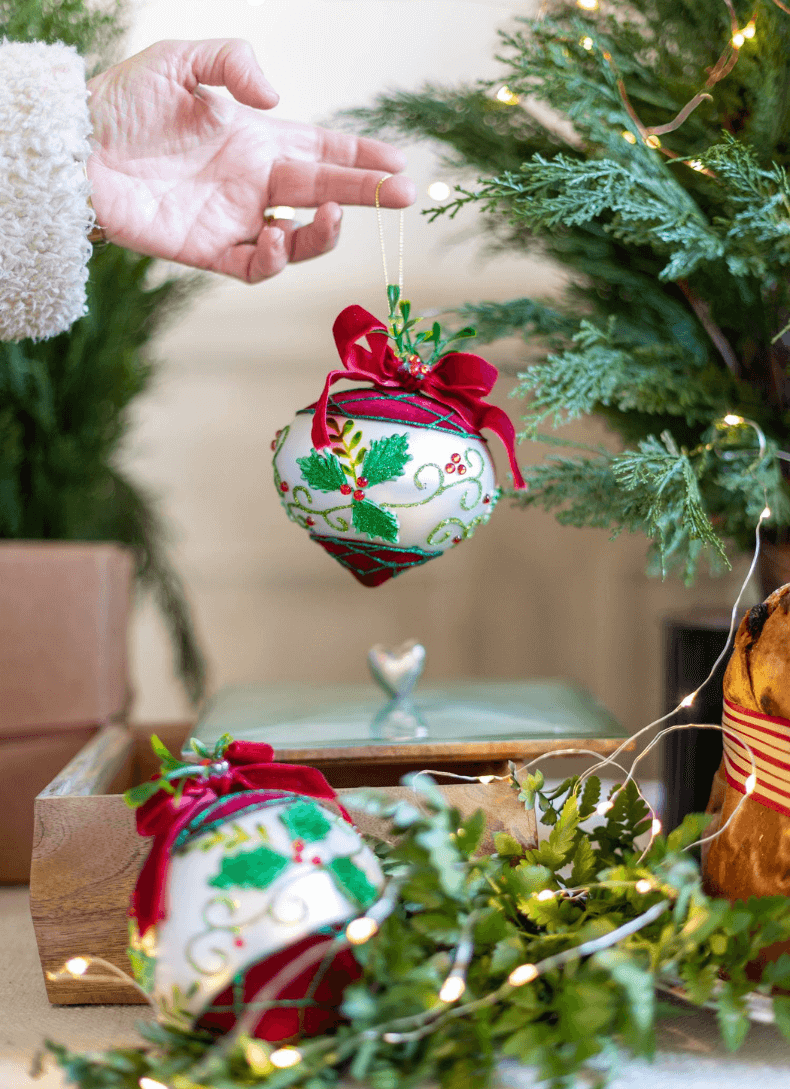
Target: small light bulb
[[438, 191], [525, 973], [765, 513], [504, 94], [749, 30], [284, 1057], [281, 211], [696, 164], [587, 5], [77, 966], [603, 808], [738, 39], [544, 894], [643, 886], [587, 43], [150, 1083], [258, 1057], [628, 136], [652, 141], [750, 783], [452, 989], [486, 779], [688, 700], [732, 420], [655, 827], [361, 930]]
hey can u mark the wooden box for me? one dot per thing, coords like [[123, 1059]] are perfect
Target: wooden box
[[87, 854]]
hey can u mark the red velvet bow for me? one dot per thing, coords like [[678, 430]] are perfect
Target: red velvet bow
[[251, 768], [459, 380]]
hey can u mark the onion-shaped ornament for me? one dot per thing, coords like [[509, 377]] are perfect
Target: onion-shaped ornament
[[391, 475], [252, 877]]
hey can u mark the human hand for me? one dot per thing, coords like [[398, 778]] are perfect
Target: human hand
[[184, 173]]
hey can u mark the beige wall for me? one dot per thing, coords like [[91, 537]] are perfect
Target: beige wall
[[525, 597]]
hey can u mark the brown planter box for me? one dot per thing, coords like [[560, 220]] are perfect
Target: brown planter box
[[64, 610]]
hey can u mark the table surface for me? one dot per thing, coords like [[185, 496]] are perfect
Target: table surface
[[690, 1054]]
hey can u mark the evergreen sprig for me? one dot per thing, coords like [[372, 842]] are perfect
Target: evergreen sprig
[[603, 952], [677, 311]]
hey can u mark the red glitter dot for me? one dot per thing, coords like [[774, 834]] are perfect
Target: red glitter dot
[[283, 486], [449, 467], [362, 481], [274, 444], [316, 861], [486, 498], [457, 540], [359, 494], [238, 942], [461, 470], [345, 489], [456, 458], [309, 521], [298, 844]]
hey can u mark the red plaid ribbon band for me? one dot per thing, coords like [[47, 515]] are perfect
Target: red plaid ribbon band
[[750, 734]]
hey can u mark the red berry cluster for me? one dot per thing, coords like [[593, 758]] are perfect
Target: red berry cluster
[[415, 367], [454, 465]]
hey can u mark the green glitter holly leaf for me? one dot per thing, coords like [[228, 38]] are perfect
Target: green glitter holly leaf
[[386, 459], [373, 520], [250, 869], [322, 471], [352, 880]]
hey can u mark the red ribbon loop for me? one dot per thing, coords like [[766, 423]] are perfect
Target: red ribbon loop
[[458, 380], [250, 768]]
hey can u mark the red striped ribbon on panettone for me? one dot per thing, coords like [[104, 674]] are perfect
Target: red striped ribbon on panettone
[[750, 734]]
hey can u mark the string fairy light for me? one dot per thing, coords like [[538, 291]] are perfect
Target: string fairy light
[[506, 96], [284, 1057], [438, 190], [723, 66], [76, 968], [150, 1083]]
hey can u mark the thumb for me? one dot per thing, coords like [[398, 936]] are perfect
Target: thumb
[[231, 63]]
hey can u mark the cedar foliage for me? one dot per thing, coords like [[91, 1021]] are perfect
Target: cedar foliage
[[678, 305], [65, 402]]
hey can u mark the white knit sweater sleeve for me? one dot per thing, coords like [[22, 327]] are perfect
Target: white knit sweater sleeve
[[44, 210]]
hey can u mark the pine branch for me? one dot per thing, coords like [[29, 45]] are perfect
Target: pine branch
[[651, 378]]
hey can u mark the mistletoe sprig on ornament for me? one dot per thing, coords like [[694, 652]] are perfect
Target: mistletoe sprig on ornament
[[400, 331]]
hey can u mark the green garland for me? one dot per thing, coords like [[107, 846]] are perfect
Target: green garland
[[594, 931]]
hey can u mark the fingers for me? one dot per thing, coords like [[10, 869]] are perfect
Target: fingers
[[317, 237], [282, 243], [308, 185], [342, 149], [231, 63]]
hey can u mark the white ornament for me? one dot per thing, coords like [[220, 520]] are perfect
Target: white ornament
[[385, 495], [255, 883]]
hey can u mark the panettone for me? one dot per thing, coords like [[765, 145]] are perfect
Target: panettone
[[751, 856]]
